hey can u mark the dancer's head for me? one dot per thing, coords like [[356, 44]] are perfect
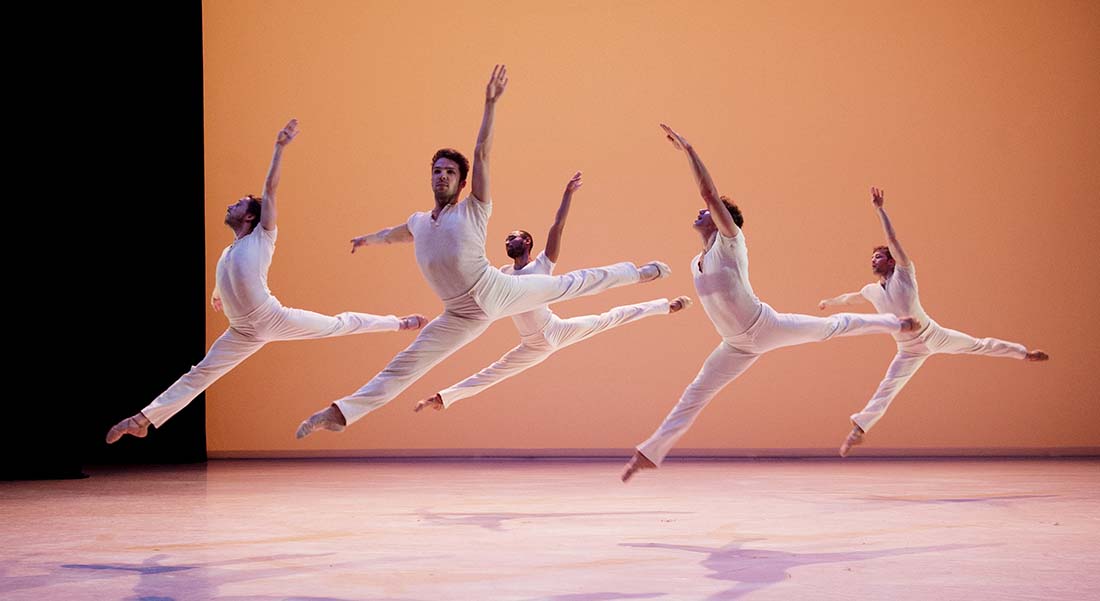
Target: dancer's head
[[518, 243], [449, 170], [704, 223], [882, 262], [244, 212]]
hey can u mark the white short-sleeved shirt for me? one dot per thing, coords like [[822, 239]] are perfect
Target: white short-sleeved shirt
[[533, 321], [898, 295], [723, 285], [450, 250], [241, 275]]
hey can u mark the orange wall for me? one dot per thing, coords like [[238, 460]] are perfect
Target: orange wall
[[980, 121]]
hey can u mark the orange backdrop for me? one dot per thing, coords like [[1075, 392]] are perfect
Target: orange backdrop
[[980, 121]]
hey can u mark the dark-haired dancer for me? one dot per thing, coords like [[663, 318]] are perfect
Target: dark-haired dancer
[[449, 242], [749, 327], [255, 316], [896, 292]]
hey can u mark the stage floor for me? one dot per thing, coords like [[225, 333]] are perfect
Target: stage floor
[[854, 529]]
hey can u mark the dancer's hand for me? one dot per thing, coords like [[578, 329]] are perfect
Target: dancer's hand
[[359, 241], [574, 183], [287, 133], [677, 140], [876, 197], [216, 302], [822, 304], [435, 402], [413, 322], [497, 82]]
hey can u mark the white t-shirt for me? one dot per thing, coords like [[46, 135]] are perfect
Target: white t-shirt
[[450, 250], [723, 285], [241, 275], [898, 295], [533, 321]]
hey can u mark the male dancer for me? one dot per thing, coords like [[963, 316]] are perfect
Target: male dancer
[[896, 292], [749, 327], [543, 333], [255, 316], [450, 249]]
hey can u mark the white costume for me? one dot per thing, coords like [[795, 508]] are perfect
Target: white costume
[[749, 328], [899, 295], [450, 251], [255, 318], [542, 334]]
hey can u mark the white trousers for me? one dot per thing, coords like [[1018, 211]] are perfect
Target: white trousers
[[495, 295], [270, 322], [734, 355], [556, 335], [914, 352]]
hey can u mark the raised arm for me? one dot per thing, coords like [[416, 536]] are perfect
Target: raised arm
[[390, 235], [718, 212], [268, 209], [900, 258], [479, 187], [553, 239], [849, 298]]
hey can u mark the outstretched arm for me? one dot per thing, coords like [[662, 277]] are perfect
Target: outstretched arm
[[390, 235], [900, 258], [850, 298], [722, 218], [553, 239], [268, 209], [479, 187]]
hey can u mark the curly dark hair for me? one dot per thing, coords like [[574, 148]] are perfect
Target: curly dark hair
[[255, 206], [884, 250], [457, 157], [735, 212]]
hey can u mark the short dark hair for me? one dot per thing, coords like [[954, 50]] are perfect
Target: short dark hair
[[735, 212], [457, 157], [255, 208], [522, 234], [884, 250]]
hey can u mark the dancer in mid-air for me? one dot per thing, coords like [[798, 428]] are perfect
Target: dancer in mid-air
[[256, 317], [449, 242], [748, 327], [896, 292], [542, 333]]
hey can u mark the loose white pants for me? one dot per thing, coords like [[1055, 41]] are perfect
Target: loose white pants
[[495, 295], [556, 335], [734, 355], [270, 322], [913, 353]]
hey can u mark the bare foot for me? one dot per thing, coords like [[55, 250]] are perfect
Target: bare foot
[[329, 418], [909, 324], [855, 437], [654, 270], [679, 304], [637, 462], [138, 426], [436, 402], [1037, 355], [413, 322]]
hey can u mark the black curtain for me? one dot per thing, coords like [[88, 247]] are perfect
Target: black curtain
[[124, 312]]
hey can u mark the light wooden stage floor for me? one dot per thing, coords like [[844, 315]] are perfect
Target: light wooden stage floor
[[853, 529]]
